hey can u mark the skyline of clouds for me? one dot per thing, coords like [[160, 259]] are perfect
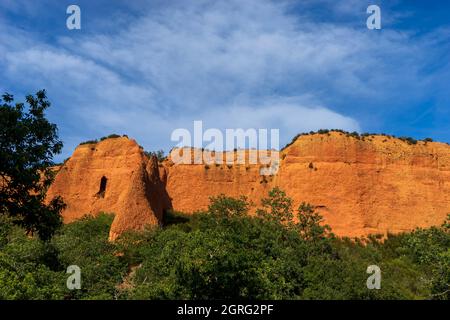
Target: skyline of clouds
[[150, 69]]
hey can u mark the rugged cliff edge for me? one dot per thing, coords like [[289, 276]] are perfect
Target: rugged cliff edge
[[375, 184], [113, 176]]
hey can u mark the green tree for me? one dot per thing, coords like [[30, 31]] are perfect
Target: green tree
[[28, 142], [310, 223], [276, 207], [159, 154], [222, 205], [28, 267], [85, 243]]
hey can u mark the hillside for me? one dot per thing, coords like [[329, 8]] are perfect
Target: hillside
[[361, 185]]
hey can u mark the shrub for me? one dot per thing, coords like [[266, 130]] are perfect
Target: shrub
[[159, 154], [408, 140], [111, 136], [88, 142]]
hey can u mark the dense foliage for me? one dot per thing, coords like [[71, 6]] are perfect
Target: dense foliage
[[225, 253], [28, 142]]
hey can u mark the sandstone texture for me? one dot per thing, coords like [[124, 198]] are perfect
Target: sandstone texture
[[132, 189], [375, 184]]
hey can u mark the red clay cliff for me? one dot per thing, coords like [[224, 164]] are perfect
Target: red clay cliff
[[361, 186]]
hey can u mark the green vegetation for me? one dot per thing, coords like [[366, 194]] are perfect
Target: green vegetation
[[28, 142], [408, 140], [111, 136], [33, 269], [225, 253], [159, 154], [88, 142], [355, 135]]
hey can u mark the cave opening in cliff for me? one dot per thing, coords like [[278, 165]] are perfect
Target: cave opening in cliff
[[103, 182]]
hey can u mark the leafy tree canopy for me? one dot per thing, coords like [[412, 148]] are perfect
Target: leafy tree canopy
[[28, 142]]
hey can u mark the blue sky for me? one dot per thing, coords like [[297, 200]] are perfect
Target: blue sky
[[146, 68]]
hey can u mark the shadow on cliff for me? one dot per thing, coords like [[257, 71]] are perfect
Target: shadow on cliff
[[159, 199]]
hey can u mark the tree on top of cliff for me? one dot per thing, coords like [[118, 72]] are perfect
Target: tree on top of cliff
[[28, 142], [159, 154]]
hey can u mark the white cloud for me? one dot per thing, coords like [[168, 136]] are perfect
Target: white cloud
[[231, 64]]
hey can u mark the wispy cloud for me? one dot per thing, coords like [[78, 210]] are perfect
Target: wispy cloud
[[232, 64]]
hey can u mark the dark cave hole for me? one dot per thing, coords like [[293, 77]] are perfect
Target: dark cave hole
[[101, 192]]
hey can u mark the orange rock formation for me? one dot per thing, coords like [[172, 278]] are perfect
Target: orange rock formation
[[111, 176], [361, 186]]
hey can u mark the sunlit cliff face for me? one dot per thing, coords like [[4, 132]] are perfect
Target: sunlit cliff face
[[364, 185]]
